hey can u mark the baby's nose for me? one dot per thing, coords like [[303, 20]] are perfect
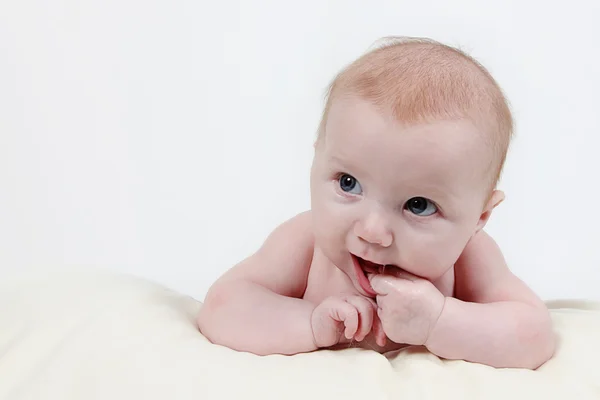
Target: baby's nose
[[374, 229]]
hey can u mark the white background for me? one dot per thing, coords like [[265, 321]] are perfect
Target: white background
[[167, 139]]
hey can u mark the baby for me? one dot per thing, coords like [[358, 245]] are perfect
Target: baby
[[392, 252]]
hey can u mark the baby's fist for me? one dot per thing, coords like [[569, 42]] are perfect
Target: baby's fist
[[343, 319], [408, 306]]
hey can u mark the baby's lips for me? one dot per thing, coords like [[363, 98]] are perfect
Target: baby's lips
[[369, 276], [369, 267], [373, 271]]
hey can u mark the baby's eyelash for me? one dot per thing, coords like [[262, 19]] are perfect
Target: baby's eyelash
[[402, 206]]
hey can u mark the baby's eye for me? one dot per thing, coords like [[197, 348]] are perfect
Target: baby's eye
[[349, 184], [420, 206]]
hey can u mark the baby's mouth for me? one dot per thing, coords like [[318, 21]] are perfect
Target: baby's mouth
[[361, 270], [365, 267], [370, 267]]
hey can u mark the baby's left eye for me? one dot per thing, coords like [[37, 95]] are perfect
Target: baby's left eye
[[349, 184], [421, 206]]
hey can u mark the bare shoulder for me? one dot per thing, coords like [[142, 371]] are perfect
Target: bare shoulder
[[282, 263], [482, 274]]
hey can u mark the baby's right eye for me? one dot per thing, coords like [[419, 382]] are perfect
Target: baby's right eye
[[349, 184]]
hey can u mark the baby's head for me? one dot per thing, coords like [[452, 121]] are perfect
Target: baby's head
[[411, 145]]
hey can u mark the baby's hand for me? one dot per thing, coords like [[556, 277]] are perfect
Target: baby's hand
[[342, 319], [408, 306]]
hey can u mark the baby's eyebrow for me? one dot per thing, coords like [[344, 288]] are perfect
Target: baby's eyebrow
[[337, 156], [434, 193], [338, 160]]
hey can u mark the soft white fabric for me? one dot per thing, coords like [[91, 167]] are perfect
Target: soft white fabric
[[103, 336]]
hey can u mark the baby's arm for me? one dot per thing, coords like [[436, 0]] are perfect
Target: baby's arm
[[256, 306], [495, 319]]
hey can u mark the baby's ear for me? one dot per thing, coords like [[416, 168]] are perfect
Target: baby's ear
[[495, 199]]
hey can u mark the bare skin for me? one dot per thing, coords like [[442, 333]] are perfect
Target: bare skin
[[391, 253]]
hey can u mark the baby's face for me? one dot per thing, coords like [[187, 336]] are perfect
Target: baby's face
[[410, 196]]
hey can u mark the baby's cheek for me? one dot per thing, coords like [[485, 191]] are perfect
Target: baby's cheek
[[429, 260], [446, 256], [326, 228]]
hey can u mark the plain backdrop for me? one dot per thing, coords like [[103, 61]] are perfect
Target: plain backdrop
[[167, 139]]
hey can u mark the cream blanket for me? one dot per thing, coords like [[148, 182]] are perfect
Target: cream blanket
[[104, 336]]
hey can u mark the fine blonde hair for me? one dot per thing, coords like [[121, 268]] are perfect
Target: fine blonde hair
[[419, 80]]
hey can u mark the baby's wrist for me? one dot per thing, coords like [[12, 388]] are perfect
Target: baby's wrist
[[313, 334], [435, 325]]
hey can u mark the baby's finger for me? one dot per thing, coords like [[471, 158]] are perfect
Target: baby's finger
[[344, 314], [401, 274], [365, 316], [378, 332], [349, 315], [382, 284]]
